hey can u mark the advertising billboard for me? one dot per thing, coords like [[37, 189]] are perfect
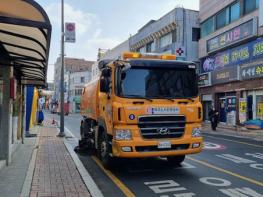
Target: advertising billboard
[[235, 56], [241, 32]]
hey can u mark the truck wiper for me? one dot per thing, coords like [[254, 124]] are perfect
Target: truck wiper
[[140, 97]]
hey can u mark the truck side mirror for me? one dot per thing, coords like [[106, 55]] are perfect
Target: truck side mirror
[[104, 85]]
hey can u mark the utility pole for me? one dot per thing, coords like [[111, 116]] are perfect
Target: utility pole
[[62, 133]]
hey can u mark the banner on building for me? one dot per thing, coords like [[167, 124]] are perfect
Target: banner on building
[[204, 79], [225, 75], [238, 55], [251, 72], [237, 34], [242, 110], [260, 13], [70, 32]]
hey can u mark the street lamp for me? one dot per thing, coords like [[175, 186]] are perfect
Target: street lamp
[[61, 132]]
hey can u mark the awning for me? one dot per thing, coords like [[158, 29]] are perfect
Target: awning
[[25, 33]]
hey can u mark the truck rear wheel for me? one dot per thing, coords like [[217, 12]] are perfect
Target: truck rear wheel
[[176, 160], [104, 151]]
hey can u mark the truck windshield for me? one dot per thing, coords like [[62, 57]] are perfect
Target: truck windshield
[[158, 83]]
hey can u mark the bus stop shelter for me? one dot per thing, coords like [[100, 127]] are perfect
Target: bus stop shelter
[[25, 33]]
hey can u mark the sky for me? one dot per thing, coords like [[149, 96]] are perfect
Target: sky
[[102, 23]]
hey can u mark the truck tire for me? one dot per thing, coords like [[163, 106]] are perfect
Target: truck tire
[[176, 160], [104, 151]]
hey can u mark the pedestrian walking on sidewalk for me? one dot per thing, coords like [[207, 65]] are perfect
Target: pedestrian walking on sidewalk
[[213, 116]]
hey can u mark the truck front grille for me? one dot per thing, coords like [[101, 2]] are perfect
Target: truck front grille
[[159, 127]]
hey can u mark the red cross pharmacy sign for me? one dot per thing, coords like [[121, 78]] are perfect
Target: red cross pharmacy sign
[[70, 32]]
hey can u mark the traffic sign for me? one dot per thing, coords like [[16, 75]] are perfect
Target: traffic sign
[[70, 32]]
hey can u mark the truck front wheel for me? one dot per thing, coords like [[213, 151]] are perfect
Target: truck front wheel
[[176, 160], [104, 150]]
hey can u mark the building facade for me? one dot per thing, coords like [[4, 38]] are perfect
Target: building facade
[[75, 83], [114, 53], [95, 72], [177, 32], [231, 57], [71, 65]]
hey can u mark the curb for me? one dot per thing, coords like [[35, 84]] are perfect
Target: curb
[[30, 172], [88, 181]]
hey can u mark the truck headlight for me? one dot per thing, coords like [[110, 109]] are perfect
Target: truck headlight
[[122, 134], [196, 132]]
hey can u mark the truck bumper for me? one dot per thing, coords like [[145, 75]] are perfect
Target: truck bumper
[[149, 148]]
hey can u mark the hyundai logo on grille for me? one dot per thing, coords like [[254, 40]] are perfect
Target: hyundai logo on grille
[[163, 131]]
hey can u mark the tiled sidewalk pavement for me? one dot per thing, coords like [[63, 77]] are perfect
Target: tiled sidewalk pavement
[[55, 172]]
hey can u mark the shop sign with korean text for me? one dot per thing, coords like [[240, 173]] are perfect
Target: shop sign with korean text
[[237, 34], [70, 32], [235, 56], [204, 79], [251, 72], [225, 75], [260, 14]]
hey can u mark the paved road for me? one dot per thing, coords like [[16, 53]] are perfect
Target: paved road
[[228, 166], [72, 122]]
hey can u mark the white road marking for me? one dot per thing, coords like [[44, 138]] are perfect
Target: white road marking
[[255, 155], [235, 159], [184, 195], [213, 146], [159, 187], [241, 192], [257, 166], [185, 165], [218, 182]]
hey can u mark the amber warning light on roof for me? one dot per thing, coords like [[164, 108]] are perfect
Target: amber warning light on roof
[[132, 55]]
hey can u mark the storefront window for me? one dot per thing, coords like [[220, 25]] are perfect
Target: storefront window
[[207, 27], [259, 102], [235, 12]]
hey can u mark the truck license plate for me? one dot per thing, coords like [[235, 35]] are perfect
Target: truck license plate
[[164, 144]]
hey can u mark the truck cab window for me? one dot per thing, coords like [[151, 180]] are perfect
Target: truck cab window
[[157, 83]]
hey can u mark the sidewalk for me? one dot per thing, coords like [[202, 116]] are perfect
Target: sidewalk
[[46, 166], [234, 131], [12, 177], [55, 172]]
